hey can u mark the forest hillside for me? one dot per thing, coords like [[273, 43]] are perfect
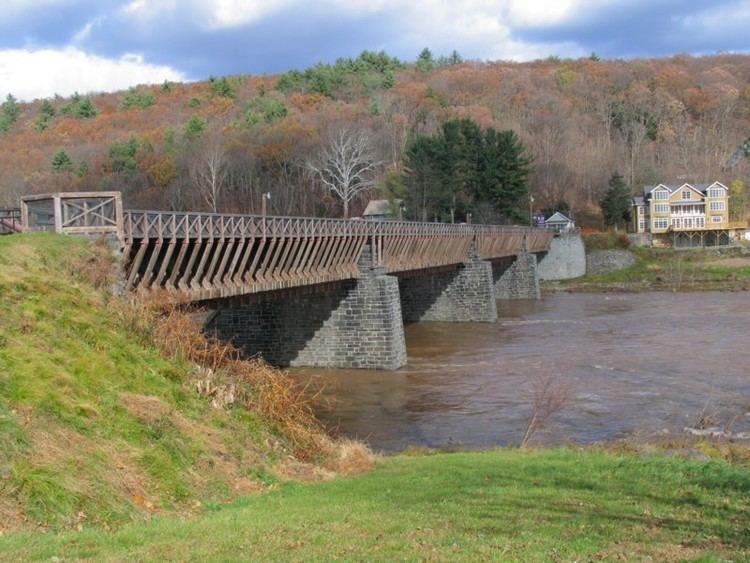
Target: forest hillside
[[221, 143]]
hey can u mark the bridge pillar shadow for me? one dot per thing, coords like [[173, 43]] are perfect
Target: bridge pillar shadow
[[352, 324], [461, 293], [516, 277]]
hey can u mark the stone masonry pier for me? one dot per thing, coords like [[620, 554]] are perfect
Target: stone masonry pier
[[354, 324], [463, 293]]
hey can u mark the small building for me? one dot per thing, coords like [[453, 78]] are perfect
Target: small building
[[381, 210], [560, 223], [685, 215]]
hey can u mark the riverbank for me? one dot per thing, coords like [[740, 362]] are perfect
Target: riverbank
[[510, 505], [113, 412], [726, 269]]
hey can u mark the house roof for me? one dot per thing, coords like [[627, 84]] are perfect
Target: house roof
[[378, 207], [638, 200], [558, 218], [675, 187]]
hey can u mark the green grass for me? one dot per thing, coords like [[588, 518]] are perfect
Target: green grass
[[671, 270], [71, 442], [501, 505]]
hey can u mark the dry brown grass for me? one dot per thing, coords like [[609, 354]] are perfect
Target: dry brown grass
[[221, 374], [227, 379]]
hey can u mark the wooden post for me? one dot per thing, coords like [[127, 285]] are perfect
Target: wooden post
[[58, 213]]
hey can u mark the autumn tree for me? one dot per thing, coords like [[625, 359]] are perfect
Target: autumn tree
[[346, 163], [737, 201], [616, 204]]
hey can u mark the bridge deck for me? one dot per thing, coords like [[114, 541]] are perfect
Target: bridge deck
[[207, 256]]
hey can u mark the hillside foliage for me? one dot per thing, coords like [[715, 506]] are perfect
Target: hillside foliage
[[579, 121]]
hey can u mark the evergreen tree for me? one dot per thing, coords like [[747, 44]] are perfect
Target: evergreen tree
[[61, 162], [505, 170], [616, 202], [85, 109], [9, 112], [194, 126], [464, 169], [44, 116], [425, 61], [221, 87]]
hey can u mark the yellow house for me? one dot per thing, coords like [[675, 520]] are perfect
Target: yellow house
[[684, 214]]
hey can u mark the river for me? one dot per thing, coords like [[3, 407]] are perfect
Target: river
[[633, 364]]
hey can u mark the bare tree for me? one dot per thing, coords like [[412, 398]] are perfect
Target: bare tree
[[209, 169], [548, 397], [345, 164]]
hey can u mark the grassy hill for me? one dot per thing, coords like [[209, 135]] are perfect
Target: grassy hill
[[97, 425]]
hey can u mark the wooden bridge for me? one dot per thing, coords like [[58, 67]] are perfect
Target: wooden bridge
[[206, 256]]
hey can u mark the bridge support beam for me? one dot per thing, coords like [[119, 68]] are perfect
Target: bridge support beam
[[464, 293], [516, 278], [352, 324]]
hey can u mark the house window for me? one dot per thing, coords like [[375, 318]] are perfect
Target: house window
[[717, 206], [700, 222], [661, 208], [660, 223], [661, 194], [686, 194], [642, 225], [715, 192], [688, 222], [717, 219]]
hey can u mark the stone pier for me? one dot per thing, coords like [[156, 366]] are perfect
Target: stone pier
[[462, 293], [352, 324], [516, 278]]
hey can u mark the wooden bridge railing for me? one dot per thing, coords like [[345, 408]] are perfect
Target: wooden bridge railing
[[207, 256]]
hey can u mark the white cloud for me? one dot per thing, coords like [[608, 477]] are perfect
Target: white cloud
[[42, 73], [212, 14], [481, 27]]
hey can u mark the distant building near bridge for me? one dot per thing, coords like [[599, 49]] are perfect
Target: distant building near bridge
[[560, 223], [685, 215], [381, 210]]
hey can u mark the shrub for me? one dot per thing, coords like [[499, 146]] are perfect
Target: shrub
[[606, 241]]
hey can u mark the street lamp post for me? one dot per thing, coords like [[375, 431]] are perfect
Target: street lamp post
[[531, 210]]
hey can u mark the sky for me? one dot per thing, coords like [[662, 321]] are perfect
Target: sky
[[52, 47]]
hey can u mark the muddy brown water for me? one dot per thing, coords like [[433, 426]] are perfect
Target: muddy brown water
[[643, 364]]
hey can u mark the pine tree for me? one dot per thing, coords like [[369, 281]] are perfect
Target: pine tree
[[61, 162], [9, 112], [425, 61], [44, 116], [616, 203]]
